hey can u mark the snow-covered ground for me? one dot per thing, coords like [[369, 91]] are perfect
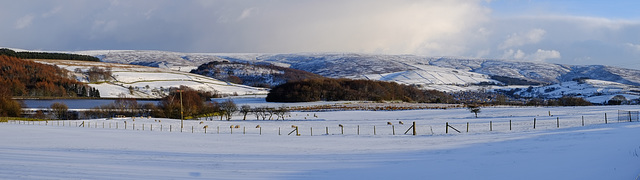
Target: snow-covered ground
[[49, 150]]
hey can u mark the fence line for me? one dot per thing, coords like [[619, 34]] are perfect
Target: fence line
[[345, 130]]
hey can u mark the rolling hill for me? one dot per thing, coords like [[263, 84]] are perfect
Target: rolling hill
[[438, 73], [256, 75], [148, 82]]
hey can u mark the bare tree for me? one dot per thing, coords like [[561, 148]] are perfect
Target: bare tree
[[245, 109], [228, 107], [257, 112], [281, 112], [262, 112], [474, 109], [125, 104], [59, 110]]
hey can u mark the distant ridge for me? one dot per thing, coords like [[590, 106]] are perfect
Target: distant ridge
[[448, 74]]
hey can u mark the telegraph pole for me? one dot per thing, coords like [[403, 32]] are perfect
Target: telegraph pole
[[181, 111]]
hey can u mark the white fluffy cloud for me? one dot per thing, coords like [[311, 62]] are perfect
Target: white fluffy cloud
[[542, 55], [537, 56], [531, 37]]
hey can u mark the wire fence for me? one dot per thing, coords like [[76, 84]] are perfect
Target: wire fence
[[386, 129], [390, 128]]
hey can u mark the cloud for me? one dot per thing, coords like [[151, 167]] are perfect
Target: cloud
[[559, 39], [421, 27], [634, 47], [531, 37], [538, 56], [395, 27], [53, 11], [511, 54], [543, 55], [24, 21], [246, 13]]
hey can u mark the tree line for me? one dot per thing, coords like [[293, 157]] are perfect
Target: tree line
[[328, 89], [193, 104], [28, 78], [96, 74], [46, 55], [563, 101]]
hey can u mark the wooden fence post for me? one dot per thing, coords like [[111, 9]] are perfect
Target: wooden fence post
[[374, 130], [414, 129], [311, 131], [467, 126], [191, 129], [582, 120], [327, 129], [558, 122], [490, 125], [447, 127], [605, 118], [170, 128], [509, 124], [452, 128], [358, 129], [394, 129], [279, 131], [534, 123]]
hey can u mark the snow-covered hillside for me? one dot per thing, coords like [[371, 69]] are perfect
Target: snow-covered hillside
[[595, 91], [439, 73], [149, 82], [356, 65], [257, 75]]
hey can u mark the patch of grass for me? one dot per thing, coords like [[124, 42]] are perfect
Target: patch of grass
[[6, 119]]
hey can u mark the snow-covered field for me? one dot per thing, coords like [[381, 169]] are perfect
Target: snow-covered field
[[49, 150], [150, 82]]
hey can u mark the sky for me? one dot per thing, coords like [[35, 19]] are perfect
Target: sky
[[556, 31]]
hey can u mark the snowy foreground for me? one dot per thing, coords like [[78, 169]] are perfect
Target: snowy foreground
[[49, 150]]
